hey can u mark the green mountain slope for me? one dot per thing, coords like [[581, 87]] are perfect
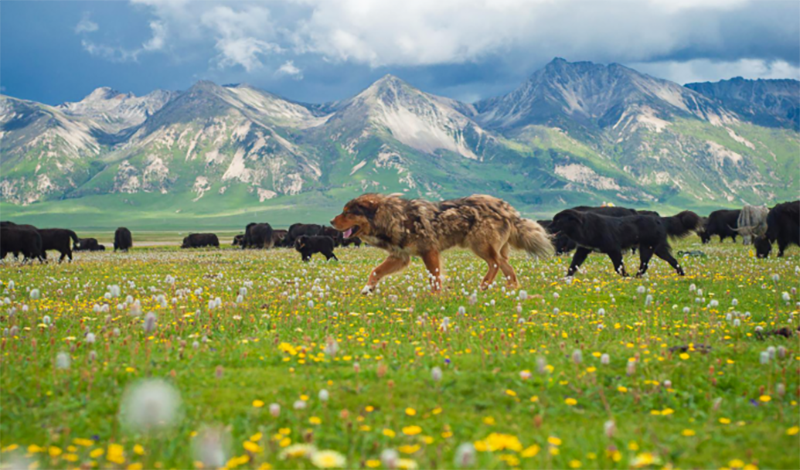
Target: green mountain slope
[[214, 156]]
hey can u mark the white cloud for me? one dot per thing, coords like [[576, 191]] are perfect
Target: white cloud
[[156, 42], [523, 33], [704, 70], [159, 38], [86, 25], [242, 37], [288, 68]]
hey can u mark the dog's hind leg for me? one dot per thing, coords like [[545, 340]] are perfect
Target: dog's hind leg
[[390, 265], [616, 258], [434, 267], [645, 254], [577, 260], [663, 253], [487, 253], [508, 270]]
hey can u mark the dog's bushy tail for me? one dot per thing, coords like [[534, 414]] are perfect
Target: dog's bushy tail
[[530, 236], [682, 224]]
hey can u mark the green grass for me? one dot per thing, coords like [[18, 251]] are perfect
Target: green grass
[[723, 406]]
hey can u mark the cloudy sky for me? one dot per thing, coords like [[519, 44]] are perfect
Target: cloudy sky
[[324, 50]]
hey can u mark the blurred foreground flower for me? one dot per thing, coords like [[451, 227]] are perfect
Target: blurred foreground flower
[[150, 404]]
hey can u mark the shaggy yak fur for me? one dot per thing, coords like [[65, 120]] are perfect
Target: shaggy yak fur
[[723, 223], [486, 225], [199, 240], [257, 236], [18, 239], [296, 230], [58, 239], [308, 245], [612, 235], [123, 239], [783, 226], [87, 244], [279, 237]]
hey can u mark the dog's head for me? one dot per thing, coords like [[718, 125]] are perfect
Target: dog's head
[[357, 216], [567, 221]]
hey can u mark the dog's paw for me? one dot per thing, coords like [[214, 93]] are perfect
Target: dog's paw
[[367, 290]]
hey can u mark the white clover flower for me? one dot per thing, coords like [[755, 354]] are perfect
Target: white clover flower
[[605, 359], [323, 395], [275, 410], [641, 290], [35, 294], [436, 374]]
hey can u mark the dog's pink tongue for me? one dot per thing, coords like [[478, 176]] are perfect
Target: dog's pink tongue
[[348, 232]]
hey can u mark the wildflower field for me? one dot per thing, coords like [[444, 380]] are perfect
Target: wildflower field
[[167, 358]]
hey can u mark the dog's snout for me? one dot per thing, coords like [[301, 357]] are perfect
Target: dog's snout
[[333, 221]]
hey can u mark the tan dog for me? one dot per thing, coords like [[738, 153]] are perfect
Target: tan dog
[[486, 225]]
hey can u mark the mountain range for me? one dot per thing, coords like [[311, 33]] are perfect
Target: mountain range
[[573, 133]]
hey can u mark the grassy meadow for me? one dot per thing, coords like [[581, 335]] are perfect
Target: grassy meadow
[[255, 360]]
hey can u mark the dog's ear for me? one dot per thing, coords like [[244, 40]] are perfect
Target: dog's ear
[[366, 206]]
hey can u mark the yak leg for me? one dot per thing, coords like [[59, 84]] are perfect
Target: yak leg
[[577, 260]]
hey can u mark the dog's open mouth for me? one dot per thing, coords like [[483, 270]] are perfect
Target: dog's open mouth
[[351, 231]]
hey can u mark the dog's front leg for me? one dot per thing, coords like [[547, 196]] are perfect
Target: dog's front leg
[[390, 265], [434, 266]]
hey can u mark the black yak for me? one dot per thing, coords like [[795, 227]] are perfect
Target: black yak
[[123, 240], [199, 240], [18, 239], [87, 244], [783, 226], [296, 230], [257, 236], [279, 237], [307, 246], [723, 223], [612, 235], [58, 239]]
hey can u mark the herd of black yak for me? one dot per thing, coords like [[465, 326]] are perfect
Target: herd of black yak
[[606, 229]]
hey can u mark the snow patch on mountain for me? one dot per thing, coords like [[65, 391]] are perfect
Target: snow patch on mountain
[[584, 175]]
